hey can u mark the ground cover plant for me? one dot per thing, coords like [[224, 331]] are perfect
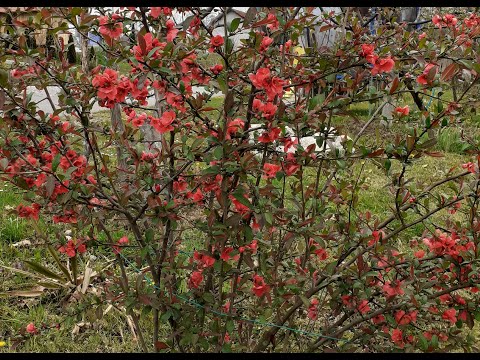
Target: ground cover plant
[[226, 219]]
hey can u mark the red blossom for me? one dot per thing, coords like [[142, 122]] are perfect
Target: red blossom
[[313, 309], [273, 22], [266, 41], [225, 255], [382, 65], [216, 42], [363, 307], [164, 124], [397, 338], [402, 111], [111, 28], [270, 170], [259, 79], [469, 166], [171, 30], [428, 74], [195, 279], [29, 212], [204, 261], [259, 288], [448, 20], [450, 315], [392, 289], [31, 329]]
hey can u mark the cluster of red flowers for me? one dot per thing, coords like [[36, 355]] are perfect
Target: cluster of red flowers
[[448, 20], [155, 12], [72, 247], [380, 65], [150, 44], [272, 85], [111, 90], [447, 244], [29, 212], [110, 28]]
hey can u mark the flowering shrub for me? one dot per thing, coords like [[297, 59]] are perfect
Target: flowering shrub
[[284, 244]]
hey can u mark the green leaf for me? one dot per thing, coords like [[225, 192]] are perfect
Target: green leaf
[[423, 342], [269, 218], [230, 326], [62, 267], [149, 235], [305, 301], [208, 297], [241, 199], [55, 162], [234, 24], [43, 270], [218, 153]]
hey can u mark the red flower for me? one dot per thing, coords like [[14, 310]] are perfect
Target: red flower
[[259, 287], [215, 42], [197, 196], [273, 22], [29, 212], [195, 279], [270, 136], [469, 166], [216, 69], [150, 43], [367, 50], [274, 87], [447, 20], [171, 31], [204, 260], [155, 12], [402, 111], [428, 74], [321, 253], [164, 124], [265, 43], [225, 256], [268, 110], [110, 28], [419, 254], [363, 307], [270, 170], [259, 80], [122, 241], [393, 290], [397, 338], [376, 236], [378, 319], [106, 84], [239, 207], [450, 315], [233, 127], [31, 329], [257, 105], [313, 309], [382, 65], [402, 318]]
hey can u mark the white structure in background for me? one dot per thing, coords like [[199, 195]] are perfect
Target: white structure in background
[[215, 20], [313, 37], [333, 143]]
